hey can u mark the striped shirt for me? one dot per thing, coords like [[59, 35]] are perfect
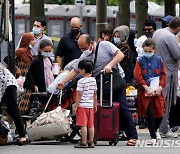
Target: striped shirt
[[87, 86]]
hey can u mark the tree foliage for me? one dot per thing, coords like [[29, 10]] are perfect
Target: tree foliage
[[88, 2], [160, 2]]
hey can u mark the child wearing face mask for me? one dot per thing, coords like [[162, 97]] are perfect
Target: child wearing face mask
[[40, 74], [150, 75]]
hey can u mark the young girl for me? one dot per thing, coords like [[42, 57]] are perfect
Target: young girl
[[150, 74], [40, 75]]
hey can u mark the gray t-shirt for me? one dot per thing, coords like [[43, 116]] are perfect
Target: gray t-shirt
[[167, 48], [106, 53]]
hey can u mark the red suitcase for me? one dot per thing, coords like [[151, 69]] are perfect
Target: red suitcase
[[106, 121]]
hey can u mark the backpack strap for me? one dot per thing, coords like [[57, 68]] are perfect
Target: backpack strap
[[95, 58]]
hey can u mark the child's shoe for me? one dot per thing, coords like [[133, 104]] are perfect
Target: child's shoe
[[158, 136], [81, 145], [91, 145]]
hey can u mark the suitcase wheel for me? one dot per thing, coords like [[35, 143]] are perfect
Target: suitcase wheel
[[111, 143]]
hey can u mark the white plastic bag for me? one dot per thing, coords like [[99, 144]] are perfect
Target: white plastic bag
[[50, 125]]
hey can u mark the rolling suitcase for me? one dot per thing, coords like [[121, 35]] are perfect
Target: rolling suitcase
[[106, 119]]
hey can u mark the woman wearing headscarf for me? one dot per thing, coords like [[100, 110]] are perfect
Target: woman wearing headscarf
[[23, 61], [120, 38], [23, 53]]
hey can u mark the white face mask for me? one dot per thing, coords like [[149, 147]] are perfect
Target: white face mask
[[30, 46], [87, 52]]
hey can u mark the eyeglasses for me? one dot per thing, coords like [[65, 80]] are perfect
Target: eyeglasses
[[147, 29]]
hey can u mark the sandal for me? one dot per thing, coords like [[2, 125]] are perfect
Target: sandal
[[20, 143], [131, 142], [81, 145], [91, 145]]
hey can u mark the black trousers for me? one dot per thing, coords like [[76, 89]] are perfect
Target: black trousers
[[125, 115], [10, 99], [174, 115], [153, 123]]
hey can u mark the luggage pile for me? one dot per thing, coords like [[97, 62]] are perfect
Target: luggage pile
[[50, 125]]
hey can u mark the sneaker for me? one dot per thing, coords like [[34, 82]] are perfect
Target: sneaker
[[158, 136], [169, 134], [81, 145], [91, 145], [176, 129]]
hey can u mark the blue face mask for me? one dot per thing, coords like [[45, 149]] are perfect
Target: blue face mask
[[36, 30], [46, 54], [148, 55], [117, 40]]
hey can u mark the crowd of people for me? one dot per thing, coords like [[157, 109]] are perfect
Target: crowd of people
[[148, 62]]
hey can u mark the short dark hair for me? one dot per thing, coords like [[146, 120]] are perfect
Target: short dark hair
[[89, 39], [150, 22], [149, 42], [174, 23], [41, 20], [87, 65], [45, 43], [108, 30]]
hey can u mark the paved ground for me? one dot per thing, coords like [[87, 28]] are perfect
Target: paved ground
[[168, 146]]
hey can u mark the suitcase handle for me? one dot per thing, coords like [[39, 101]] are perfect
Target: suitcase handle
[[101, 88]]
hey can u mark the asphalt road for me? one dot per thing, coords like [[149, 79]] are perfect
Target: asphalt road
[[167, 146]]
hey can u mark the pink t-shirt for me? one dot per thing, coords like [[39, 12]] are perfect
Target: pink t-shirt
[[49, 78]]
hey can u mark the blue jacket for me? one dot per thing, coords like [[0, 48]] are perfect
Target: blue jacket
[[150, 67]]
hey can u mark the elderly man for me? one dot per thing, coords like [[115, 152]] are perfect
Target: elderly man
[[108, 57], [68, 45], [168, 48]]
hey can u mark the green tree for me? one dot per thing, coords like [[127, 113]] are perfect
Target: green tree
[[91, 2], [159, 2], [112, 2], [141, 15], [124, 12], [60, 2], [36, 10], [170, 7]]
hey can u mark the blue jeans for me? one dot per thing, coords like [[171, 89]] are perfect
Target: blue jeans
[[125, 115]]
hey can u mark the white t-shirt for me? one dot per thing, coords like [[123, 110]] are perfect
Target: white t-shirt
[[6, 79], [87, 86], [139, 44]]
